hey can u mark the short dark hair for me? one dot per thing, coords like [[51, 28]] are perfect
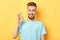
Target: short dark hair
[[32, 4]]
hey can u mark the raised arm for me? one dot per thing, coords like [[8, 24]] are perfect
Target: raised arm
[[15, 32]]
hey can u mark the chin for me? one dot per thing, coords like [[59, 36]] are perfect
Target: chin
[[31, 17]]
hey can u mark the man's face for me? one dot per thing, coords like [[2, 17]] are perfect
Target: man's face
[[31, 10]]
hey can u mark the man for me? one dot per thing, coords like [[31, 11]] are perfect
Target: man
[[29, 29]]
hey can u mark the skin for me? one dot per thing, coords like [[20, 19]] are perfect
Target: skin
[[31, 11]]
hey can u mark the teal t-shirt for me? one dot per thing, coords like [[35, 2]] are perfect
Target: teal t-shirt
[[31, 30]]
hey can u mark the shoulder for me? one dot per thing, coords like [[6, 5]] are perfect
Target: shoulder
[[39, 22], [23, 21]]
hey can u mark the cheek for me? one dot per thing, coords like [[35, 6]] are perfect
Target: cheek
[[33, 12], [29, 12]]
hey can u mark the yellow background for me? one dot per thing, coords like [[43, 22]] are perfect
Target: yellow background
[[48, 13]]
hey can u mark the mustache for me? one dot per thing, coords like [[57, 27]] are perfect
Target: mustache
[[30, 14]]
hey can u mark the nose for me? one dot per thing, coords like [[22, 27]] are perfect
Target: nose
[[31, 12]]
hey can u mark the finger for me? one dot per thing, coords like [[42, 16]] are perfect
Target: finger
[[19, 15]]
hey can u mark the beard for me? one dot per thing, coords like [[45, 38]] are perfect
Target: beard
[[31, 17]]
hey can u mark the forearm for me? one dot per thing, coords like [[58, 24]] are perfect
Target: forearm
[[42, 37], [15, 32]]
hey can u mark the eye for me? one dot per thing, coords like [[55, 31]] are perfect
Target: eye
[[33, 10], [29, 10]]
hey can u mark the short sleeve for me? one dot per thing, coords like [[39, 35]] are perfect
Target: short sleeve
[[42, 31]]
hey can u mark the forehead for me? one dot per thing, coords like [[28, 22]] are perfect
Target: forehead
[[31, 7]]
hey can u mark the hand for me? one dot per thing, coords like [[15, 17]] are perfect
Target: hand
[[20, 18]]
